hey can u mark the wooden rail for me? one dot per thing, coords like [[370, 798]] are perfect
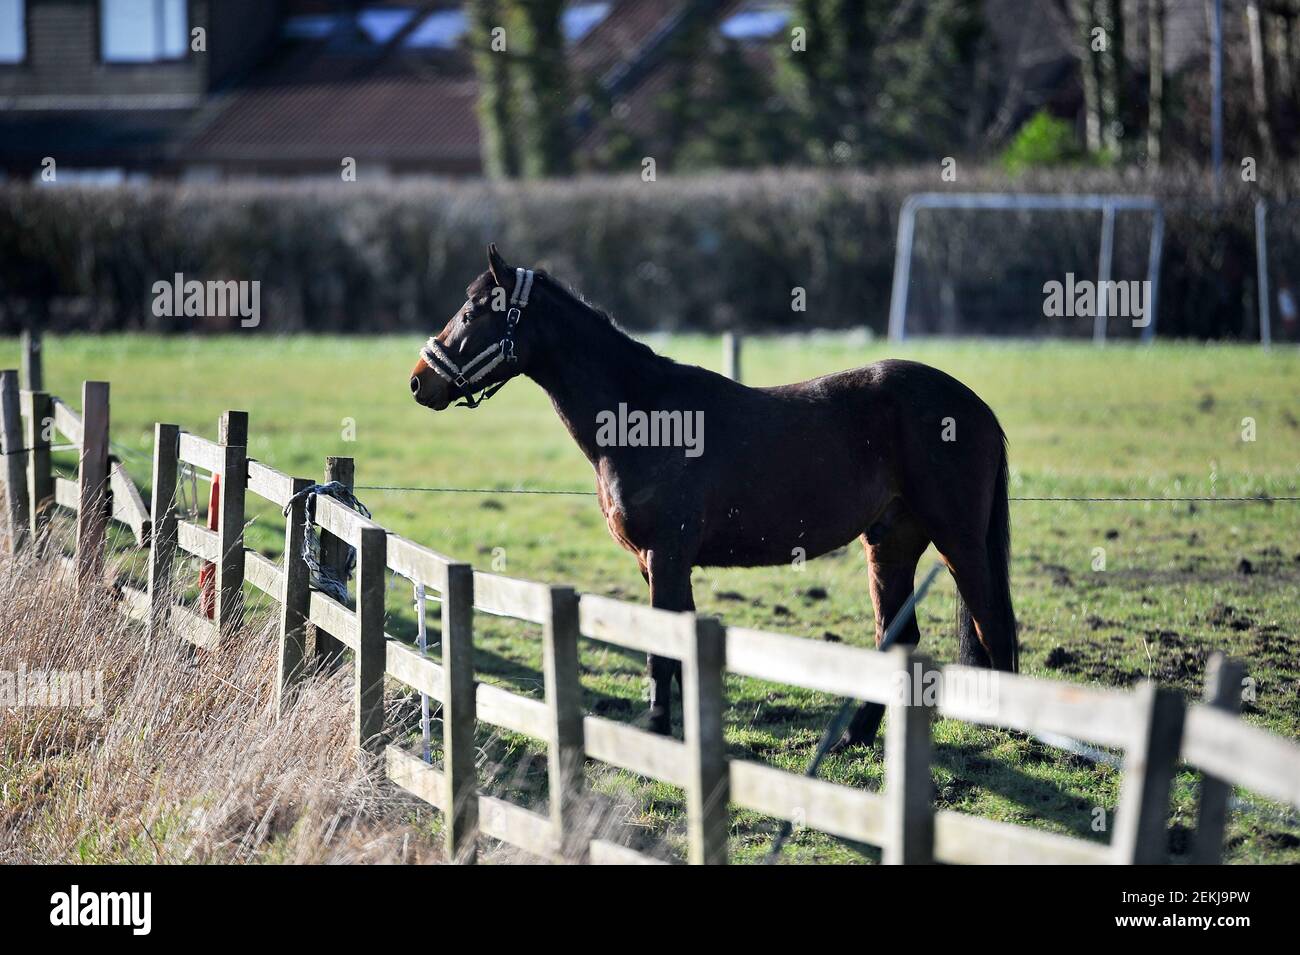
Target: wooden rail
[[1147, 723], [1152, 727], [102, 491]]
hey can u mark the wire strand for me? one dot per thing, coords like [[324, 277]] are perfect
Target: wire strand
[[1207, 499], [41, 447]]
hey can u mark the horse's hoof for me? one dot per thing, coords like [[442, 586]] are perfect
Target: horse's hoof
[[849, 741], [840, 745]]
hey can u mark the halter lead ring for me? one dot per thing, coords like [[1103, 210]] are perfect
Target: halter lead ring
[[465, 376]]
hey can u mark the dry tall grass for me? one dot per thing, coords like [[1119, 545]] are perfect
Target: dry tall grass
[[187, 762]]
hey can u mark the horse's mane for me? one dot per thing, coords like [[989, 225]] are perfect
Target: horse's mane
[[577, 304]]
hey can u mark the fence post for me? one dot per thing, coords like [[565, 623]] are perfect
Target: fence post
[[372, 558], [1149, 762], [1223, 677], [566, 756], [295, 600], [33, 377], [92, 481], [459, 714], [162, 542], [333, 555], [232, 434], [38, 410], [909, 791], [15, 460], [731, 345], [709, 789]]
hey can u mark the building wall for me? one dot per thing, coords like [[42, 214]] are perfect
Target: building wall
[[63, 66], [239, 35]]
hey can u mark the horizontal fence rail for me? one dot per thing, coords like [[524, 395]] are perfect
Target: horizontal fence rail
[[1152, 728], [102, 492]]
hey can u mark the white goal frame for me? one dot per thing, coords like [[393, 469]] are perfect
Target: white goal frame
[[1264, 290], [1107, 205]]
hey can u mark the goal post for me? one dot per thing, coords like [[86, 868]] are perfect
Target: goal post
[[1277, 247], [1106, 205]]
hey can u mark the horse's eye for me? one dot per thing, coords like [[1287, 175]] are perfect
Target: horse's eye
[[466, 318]]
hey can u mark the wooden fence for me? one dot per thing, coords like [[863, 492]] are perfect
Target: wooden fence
[[31, 422], [1152, 726]]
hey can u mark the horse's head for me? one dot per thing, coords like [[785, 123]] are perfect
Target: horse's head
[[479, 349]]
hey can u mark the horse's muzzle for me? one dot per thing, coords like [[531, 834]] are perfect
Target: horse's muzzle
[[428, 389]]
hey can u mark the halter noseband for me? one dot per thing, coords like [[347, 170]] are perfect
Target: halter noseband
[[464, 377]]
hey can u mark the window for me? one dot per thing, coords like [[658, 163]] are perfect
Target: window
[[756, 21], [143, 31], [440, 30], [381, 24], [581, 18], [13, 31]]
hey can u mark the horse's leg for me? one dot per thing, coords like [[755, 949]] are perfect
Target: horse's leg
[[961, 537], [891, 562], [961, 501], [670, 589], [994, 627]]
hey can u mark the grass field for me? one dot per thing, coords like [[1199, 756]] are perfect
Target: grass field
[[1179, 579]]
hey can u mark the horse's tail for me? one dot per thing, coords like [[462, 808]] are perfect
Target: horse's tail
[[998, 542]]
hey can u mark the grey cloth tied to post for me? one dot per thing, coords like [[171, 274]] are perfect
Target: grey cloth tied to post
[[328, 580]]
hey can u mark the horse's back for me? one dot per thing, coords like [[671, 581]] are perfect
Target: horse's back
[[889, 377]]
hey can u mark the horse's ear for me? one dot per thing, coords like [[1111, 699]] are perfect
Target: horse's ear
[[497, 266]]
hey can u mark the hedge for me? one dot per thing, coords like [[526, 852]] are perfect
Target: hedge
[[701, 253]]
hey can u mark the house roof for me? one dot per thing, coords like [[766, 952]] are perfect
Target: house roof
[[330, 92], [638, 105], [620, 36], [402, 91], [391, 113]]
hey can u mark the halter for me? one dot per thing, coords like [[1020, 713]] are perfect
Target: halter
[[464, 377]]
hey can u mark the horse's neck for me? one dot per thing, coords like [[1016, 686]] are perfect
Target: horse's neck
[[587, 366]]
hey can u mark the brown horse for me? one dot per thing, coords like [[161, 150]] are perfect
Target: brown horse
[[696, 470]]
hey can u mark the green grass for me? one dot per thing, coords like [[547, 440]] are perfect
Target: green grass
[[1119, 421]]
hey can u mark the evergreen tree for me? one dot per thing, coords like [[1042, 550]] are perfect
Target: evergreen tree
[[828, 75], [724, 113], [541, 84], [681, 113], [875, 84], [496, 121], [936, 103]]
